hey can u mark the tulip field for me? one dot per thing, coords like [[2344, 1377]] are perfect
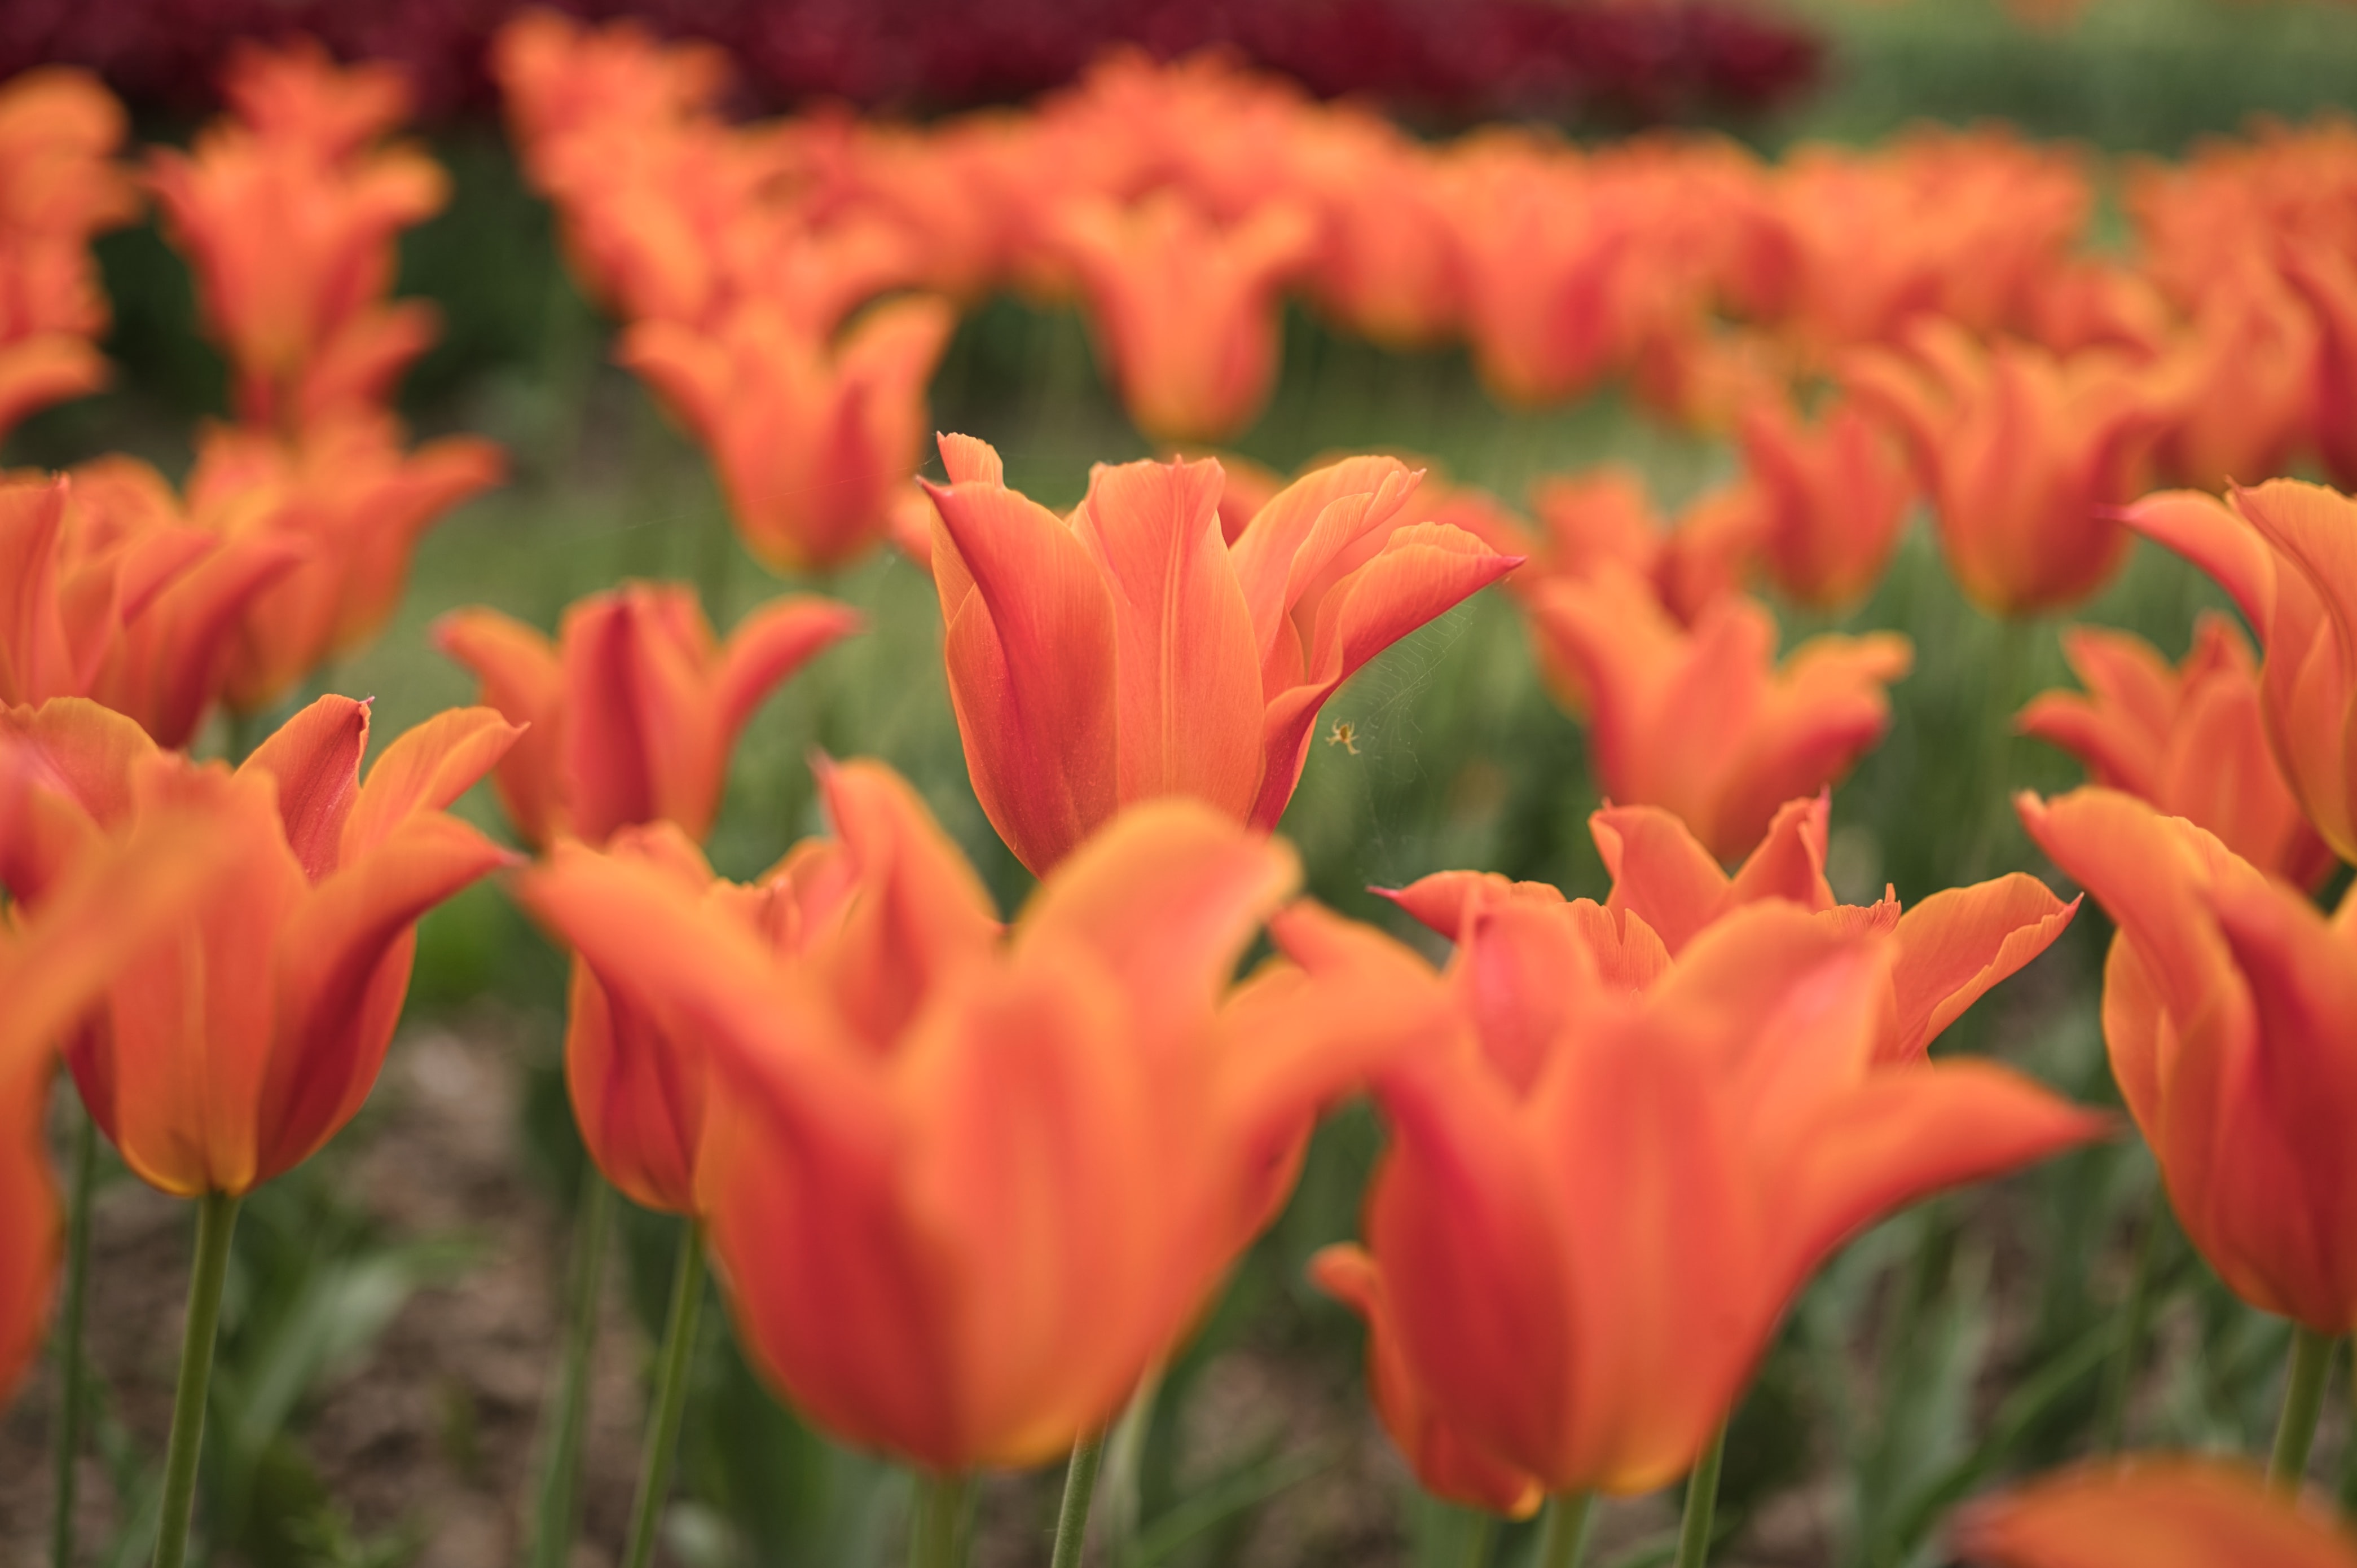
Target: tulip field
[[1349, 782]]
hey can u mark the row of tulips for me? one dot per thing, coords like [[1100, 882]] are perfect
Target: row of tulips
[[967, 1185], [1937, 289]]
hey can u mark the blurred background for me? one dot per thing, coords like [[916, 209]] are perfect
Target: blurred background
[[393, 1316]]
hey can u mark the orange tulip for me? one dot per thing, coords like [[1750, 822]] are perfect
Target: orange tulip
[[356, 503], [1597, 1204], [965, 1190], [1131, 651], [2251, 372], [813, 441], [2279, 550], [121, 600], [1385, 265], [288, 215], [2021, 453], [55, 962], [2163, 1512], [634, 708], [1607, 514], [2190, 741], [2327, 283], [1185, 309], [1950, 949], [1832, 496], [639, 1089], [58, 188], [241, 1042], [1701, 720], [2230, 1007], [1543, 249]]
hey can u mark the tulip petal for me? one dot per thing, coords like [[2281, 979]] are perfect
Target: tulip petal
[[1444, 900], [315, 757], [343, 972], [1904, 1134], [768, 647], [2156, 1512], [520, 676], [2199, 528], [1446, 1464], [1959, 943], [1032, 656], [1188, 678], [920, 911], [426, 770], [1422, 571], [1168, 896]]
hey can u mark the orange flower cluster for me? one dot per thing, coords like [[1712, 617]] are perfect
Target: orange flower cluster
[[287, 212], [58, 187], [1937, 277]]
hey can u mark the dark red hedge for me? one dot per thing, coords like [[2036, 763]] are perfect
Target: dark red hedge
[[1450, 59]]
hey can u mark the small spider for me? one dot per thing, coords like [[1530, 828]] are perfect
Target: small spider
[[1344, 736]]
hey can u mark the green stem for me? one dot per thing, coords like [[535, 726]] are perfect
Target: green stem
[[1481, 1531], [557, 1494], [1124, 1465], [1701, 1503], [1080, 1486], [1564, 1539], [2136, 1316], [216, 1222], [937, 1525], [72, 1390], [2311, 1358], [670, 1398]]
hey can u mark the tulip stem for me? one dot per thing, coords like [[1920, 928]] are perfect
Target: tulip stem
[[216, 1222], [73, 1391], [1481, 1531], [2136, 1315], [2311, 1358], [937, 1524], [557, 1501], [1564, 1539], [1701, 1503], [670, 1398], [1080, 1487]]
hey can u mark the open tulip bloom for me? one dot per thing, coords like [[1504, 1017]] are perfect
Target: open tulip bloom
[[1130, 650], [966, 1184], [1602, 1193], [632, 712]]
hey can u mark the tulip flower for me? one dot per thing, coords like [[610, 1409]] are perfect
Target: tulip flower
[[58, 188], [1701, 721], [2278, 551], [965, 1187], [1597, 1204], [1950, 948], [1543, 251], [1606, 514], [2327, 283], [2151, 1512], [1832, 495], [357, 504], [234, 1050], [2190, 741], [1131, 651], [2229, 1006], [1385, 263], [1185, 309], [633, 710], [2021, 453], [56, 961], [120, 599], [813, 441], [2251, 374], [288, 216]]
